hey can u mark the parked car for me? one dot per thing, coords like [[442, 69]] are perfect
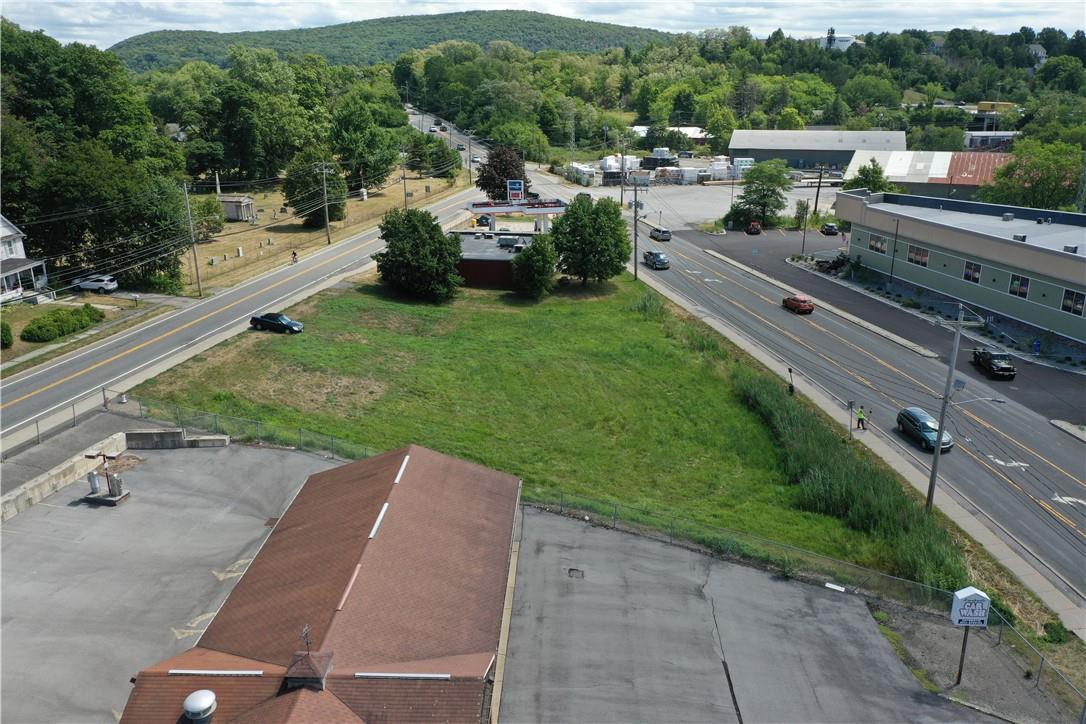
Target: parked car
[[433, 129], [799, 304], [994, 363], [959, 103], [686, 154], [276, 322], [444, 128], [923, 428], [476, 159], [483, 220], [656, 260], [829, 229], [754, 227], [660, 234], [461, 147], [100, 283]]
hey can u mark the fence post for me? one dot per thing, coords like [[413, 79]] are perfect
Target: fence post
[[1002, 625], [105, 399], [561, 502], [140, 403], [73, 414], [37, 431], [614, 515], [177, 413], [332, 445], [1040, 668], [670, 530]]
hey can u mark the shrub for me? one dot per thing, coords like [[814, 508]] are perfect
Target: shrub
[[60, 323], [6, 339], [533, 268], [1056, 633], [834, 480]]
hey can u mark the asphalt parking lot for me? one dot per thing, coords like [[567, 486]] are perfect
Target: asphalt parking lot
[[611, 627], [92, 595]]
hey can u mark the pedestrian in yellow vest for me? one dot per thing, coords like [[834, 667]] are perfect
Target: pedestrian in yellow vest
[[861, 419]]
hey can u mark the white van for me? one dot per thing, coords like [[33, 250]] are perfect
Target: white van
[[660, 234]]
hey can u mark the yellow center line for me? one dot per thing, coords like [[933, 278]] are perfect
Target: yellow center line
[[983, 423], [1043, 503], [175, 330]]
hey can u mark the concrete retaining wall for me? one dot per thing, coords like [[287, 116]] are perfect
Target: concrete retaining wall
[[170, 438], [74, 468]]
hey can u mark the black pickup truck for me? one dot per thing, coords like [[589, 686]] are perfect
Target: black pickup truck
[[276, 322], [995, 364]]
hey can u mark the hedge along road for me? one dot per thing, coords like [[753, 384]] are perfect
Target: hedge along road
[[1023, 475], [167, 340]]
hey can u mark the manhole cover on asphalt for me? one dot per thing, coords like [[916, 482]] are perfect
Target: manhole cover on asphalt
[[576, 573]]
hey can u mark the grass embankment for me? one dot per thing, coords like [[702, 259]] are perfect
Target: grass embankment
[[600, 392], [258, 255]]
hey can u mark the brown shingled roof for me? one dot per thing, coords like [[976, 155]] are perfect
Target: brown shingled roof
[[423, 595]]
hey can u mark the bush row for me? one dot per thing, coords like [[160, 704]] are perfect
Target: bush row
[[60, 322], [835, 480], [6, 340]]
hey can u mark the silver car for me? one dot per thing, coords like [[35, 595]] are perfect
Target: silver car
[[100, 283]]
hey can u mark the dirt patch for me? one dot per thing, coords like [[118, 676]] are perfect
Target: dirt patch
[[996, 676]]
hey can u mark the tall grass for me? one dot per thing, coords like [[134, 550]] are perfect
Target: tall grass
[[834, 480]]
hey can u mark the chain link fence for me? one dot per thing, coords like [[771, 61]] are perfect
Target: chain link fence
[[1000, 636], [238, 428]]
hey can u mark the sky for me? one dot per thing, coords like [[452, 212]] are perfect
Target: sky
[[105, 22]]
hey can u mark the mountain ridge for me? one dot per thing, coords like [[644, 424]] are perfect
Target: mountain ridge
[[364, 42]]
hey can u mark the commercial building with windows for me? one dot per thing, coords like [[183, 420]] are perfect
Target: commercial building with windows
[[1024, 264]]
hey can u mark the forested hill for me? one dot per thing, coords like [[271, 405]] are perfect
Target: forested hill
[[370, 41]]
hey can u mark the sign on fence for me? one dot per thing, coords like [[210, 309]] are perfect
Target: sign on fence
[[970, 607]]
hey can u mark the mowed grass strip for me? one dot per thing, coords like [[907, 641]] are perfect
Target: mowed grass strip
[[588, 392]]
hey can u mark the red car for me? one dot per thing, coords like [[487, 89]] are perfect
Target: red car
[[799, 304]]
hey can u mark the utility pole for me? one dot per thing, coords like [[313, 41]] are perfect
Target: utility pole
[[637, 261], [572, 133], [192, 239], [893, 254], [324, 190], [622, 170], [942, 410], [469, 161], [403, 177], [818, 190]]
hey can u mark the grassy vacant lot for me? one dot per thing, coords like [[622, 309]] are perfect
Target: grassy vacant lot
[[578, 393], [260, 256]]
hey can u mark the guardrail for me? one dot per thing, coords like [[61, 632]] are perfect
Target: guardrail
[[1000, 635]]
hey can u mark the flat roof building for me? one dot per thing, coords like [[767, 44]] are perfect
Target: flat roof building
[[378, 596], [808, 149], [933, 173], [1024, 264]]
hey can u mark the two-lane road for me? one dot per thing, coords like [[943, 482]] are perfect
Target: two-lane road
[[56, 384]]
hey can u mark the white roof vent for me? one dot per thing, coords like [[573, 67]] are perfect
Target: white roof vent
[[200, 705], [1008, 217]]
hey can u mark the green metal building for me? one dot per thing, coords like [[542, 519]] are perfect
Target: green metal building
[[1024, 264]]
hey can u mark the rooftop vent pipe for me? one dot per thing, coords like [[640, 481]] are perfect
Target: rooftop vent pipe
[[1008, 217], [1040, 220], [1071, 249], [200, 705], [1019, 237]]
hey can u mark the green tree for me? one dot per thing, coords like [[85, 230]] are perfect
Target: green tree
[[305, 192], [720, 125], [790, 120], [591, 239], [365, 149], [764, 185], [208, 216], [419, 258], [1039, 176], [870, 91], [533, 268], [871, 177], [936, 138], [502, 164], [803, 209], [1063, 72]]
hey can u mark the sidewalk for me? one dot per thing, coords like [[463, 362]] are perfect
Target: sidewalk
[[1069, 613]]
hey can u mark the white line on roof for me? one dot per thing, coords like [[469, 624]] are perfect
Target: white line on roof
[[381, 675], [377, 523], [212, 672], [403, 466]]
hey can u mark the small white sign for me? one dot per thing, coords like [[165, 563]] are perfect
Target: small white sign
[[970, 607]]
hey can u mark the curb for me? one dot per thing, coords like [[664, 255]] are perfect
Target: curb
[[1026, 358], [970, 523], [975, 707], [1074, 431], [886, 334]]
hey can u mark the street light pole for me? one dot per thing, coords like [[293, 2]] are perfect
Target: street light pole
[[942, 410], [636, 262], [324, 190]]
